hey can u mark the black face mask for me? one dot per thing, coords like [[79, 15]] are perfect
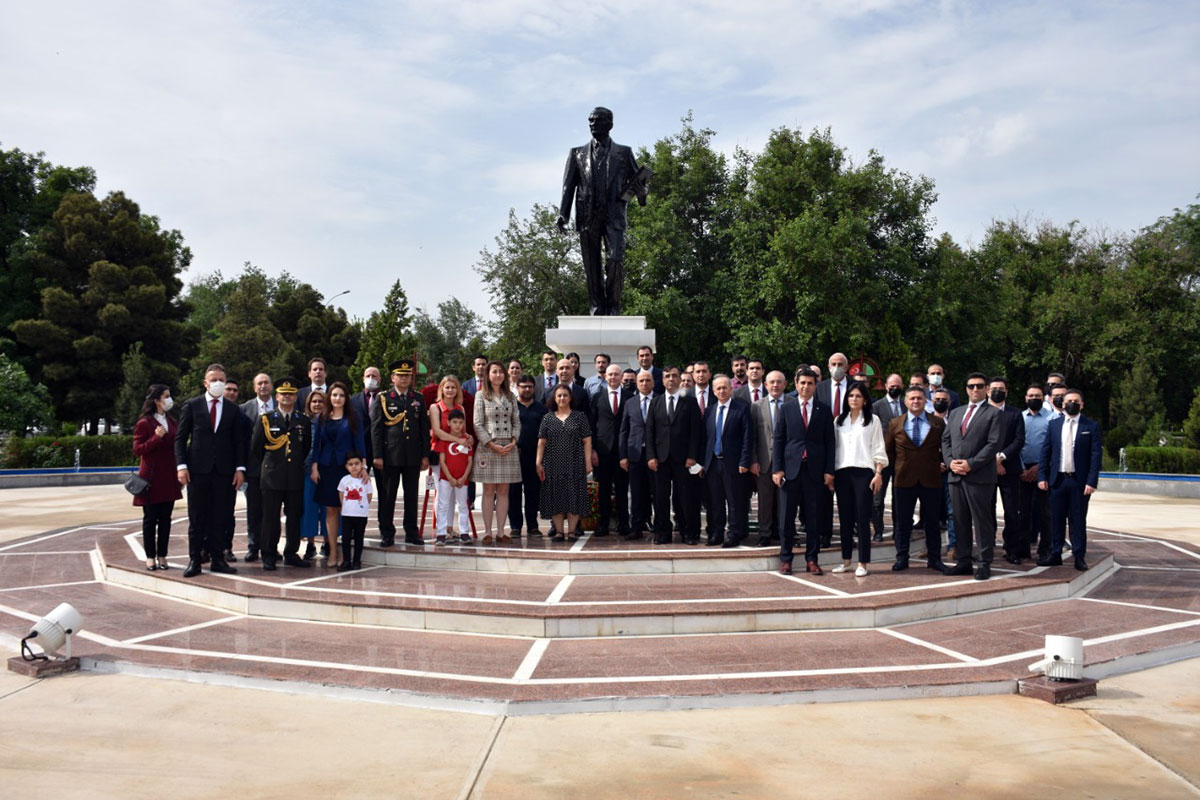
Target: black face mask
[[1034, 405], [998, 395], [895, 391], [941, 406], [1057, 401], [1073, 408]]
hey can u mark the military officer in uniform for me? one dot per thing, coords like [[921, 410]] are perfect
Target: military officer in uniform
[[400, 442], [279, 443]]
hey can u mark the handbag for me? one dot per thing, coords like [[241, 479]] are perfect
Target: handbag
[[136, 485]]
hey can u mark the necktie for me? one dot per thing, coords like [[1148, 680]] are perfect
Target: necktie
[[756, 395], [837, 401], [895, 408], [212, 414], [614, 399], [553, 381], [774, 408], [917, 431], [966, 419], [720, 423], [700, 396], [1068, 446], [645, 405], [804, 413], [671, 407]]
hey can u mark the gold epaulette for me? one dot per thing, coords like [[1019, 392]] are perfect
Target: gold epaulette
[[388, 419], [274, 442]]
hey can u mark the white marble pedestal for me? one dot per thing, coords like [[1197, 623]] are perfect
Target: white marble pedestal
[[620, 337]]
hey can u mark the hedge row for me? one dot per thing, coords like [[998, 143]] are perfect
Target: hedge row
[[35, 452], [1172, 460]]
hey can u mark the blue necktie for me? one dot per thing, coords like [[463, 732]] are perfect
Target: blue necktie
[[917, 431], [720, 424]]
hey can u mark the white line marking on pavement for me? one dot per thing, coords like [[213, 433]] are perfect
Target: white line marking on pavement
[[559, 590], [185, 629], [532, 659], [943, 650], [46, 586]]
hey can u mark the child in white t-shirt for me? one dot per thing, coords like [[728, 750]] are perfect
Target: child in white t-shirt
[[355, 492], [455, 470]]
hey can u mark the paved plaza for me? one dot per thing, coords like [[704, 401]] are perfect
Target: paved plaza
[[601, 668]]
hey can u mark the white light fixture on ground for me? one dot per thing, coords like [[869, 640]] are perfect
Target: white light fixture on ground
[[52, 633], [1063, 660]]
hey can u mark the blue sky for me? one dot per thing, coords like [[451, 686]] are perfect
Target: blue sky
[[354, 143]]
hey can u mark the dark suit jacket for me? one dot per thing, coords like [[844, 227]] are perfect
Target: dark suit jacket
[[709, 397], [250, 409], [578, 185], [764, 434], [1087, 451], [744, 393], [676, 438], [737, 434], [978, 447], [606, 426], [204, 450], [283, 469], [1012, 439], [796, 446], [954, 401], [359, 401], [912, 465], [632, 440], [825, 394], [305, 391]]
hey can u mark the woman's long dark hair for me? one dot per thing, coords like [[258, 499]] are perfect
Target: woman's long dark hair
[[857, 386], [149, 405], [348, 411]]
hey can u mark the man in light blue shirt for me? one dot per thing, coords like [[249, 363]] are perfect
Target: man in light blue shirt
[[595, 384], [1033, 504]]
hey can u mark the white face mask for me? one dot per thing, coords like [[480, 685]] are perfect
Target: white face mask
[[935, 380], [216, 389], [168, 404], [837, 373], [371, 383]]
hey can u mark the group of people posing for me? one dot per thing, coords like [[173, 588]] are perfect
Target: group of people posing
[[665, 446]]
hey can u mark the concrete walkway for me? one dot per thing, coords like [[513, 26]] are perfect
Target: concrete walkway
[[89, 735]]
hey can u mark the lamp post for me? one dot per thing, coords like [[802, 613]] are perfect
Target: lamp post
[[329, 302]]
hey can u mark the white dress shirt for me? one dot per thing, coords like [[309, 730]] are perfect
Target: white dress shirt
[[1069, 430], [860, 445]]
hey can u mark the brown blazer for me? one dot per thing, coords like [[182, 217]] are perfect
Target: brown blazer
[[912, 465]]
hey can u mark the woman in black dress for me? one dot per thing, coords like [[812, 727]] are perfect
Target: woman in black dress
[[564, 451]]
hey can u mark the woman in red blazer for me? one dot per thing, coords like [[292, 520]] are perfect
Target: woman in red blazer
[[154, 444]]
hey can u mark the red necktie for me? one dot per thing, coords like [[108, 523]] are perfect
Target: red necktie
[[614, 396], [837, 401], [756, 395], [804, 414], [212, 414], [966, 419], [701, 397]]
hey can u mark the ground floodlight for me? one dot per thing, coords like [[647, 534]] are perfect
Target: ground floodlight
[[1063, 659], [51, 633]]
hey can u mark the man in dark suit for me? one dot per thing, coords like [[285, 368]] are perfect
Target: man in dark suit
[[914, 447], [1008, 466], [362, 401], [832, 391], [607, 410], [674, 444], [280, 444], [473, 384], [549, 377], [400, 443], [802, 458], [1071, 466], [936, 379], [597, 179], [317, 374], [566, 375], [887, 409], [645, 357], [210, 456], [263, 402], [969, 446], [728, 454], [754, 388], [764, 413], [705, 398], [631, 447]]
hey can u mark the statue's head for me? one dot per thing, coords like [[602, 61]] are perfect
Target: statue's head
[[600, 122]]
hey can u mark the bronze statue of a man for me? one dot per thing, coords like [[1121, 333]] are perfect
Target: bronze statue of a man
[[601, 176]]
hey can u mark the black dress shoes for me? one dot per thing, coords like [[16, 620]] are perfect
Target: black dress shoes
[[414, 539], [662, 539], [221, 567], [632, 536], [730, 542], [193, 569], [269, 566], [1081, 565], [763, 541], [296, 561], [204, 559], [900, 566], [1014, 560], [877, 537], [936, 566], [345, 566], [960, 568], [714, 541], [983, 572], [1050, 561], [251, 556], [387, 541], [229, 557], [600, 532], [311, 550]]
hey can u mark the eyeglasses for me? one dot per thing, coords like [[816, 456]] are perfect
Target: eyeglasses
[[976, 385]]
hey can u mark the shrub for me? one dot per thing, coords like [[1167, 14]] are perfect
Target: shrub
[[59, 451], [1117, 438], [1171, 460]]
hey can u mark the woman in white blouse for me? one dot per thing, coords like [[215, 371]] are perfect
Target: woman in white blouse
[[860, 458]]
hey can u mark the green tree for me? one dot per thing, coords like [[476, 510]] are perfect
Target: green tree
[[244, 340], [388, 335], [26, 404], [534, 276], [111, 278], [314, 328], [1191, 425], [1134, 406], [137, 378], [448, 342]]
